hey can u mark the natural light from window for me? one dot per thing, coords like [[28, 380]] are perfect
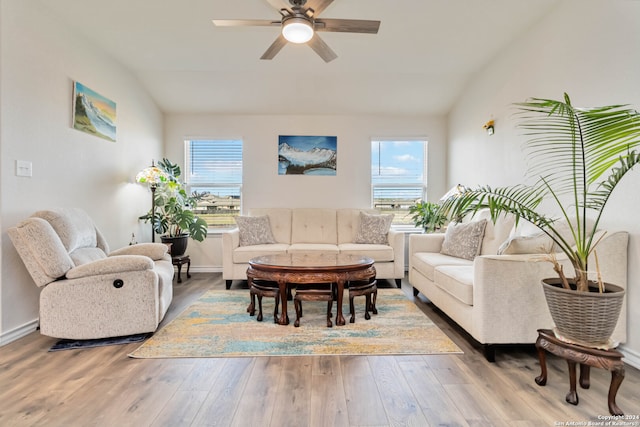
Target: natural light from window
[[214, 169], [398, 177]]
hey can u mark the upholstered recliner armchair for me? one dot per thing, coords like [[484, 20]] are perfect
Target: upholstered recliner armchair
[[87, 291]]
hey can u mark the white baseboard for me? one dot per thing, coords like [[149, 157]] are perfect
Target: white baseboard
[[630, 357], [19, 332]]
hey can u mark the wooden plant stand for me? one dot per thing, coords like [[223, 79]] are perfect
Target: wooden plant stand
[[610, 360]]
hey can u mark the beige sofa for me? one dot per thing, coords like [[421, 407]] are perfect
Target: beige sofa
[[498, 299], [88, 291], [312, 230]]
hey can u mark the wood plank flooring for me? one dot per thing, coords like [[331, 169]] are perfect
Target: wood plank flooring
[[103, 387]]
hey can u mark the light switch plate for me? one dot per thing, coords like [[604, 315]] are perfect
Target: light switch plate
[[24, 168]]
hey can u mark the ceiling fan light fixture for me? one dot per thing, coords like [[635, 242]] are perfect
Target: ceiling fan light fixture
[[297, 30]]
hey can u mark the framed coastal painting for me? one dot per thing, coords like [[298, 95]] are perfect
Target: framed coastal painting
[[307, 155], [93, 113]]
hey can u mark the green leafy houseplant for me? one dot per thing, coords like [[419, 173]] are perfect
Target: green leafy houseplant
[[428, 216], [577, 157], [174, 215]]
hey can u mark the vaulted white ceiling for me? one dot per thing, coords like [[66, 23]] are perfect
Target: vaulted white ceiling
[[419, 63]]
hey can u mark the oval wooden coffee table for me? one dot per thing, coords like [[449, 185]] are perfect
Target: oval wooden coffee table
[[307, 269]]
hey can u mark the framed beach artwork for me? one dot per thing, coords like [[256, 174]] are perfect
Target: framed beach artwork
[[307, 155], [93, 113]]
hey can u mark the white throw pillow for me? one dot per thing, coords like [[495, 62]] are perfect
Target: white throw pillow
[[536, 244], [254, 230], [464, 240], [373, 229]]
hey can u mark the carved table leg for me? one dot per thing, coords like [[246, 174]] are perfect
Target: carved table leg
[[251, 309], [339, 316], [329, 304], [259, 318], [617, 375], [541, 379], [374, 299], [584, 376], [367, 306], [572, 396], [179, 272], [352, 309], [298, 306], [284, 317]]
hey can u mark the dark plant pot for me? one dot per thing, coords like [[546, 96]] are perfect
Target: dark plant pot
[[178, 244], [586, 317]]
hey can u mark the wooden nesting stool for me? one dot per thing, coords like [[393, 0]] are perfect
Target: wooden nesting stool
[[261, 289], [370, 291], [610, 360], [314, 292]]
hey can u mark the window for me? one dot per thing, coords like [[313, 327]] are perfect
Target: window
[[214, 167], [398, 177]]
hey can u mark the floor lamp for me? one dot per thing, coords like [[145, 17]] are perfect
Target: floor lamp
[[152, 176]]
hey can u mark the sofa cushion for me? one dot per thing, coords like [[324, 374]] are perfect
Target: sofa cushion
[[463, 240], [86, 255], [243, 254], [280, 221], [535, 244], [457, 281], [74, 227], [314, 226], [426, 262], [495, 234], [254, 230], [348, 223], [378, 253], [373, 229], [298, 248]]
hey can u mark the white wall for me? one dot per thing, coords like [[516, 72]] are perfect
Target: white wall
[[39, 61], [585, 48], [263, 187]]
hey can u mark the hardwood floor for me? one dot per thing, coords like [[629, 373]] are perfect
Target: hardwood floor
[[103, 387]]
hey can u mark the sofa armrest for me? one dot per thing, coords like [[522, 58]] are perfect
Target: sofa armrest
[[230, 241], [507, 288], [155, 251], [116, 264], [396, 240], [428, 242]]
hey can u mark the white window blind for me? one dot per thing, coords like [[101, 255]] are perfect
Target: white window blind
[[214, 167]]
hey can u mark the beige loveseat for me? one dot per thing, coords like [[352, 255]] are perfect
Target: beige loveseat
[[313, 230], [498, 299], [88, 291]]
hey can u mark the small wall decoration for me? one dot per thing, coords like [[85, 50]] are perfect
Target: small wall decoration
[[93, 113], [489, 127], [307, 155]]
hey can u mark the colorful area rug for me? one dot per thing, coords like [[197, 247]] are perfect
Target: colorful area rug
[[218, 325]]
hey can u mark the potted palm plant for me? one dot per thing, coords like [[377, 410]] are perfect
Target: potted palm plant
[[173, 217], [427, 215], [577, 156]]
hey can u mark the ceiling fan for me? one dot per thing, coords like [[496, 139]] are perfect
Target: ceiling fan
[[300, 23]]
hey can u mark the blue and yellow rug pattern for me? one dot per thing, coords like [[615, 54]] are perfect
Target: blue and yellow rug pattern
[[218, 325]]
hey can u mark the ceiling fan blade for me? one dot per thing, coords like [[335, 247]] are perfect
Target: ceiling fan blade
[[275, 47], [321, 48], [348, 26], [244, 23], [318, 5], [279, 4]]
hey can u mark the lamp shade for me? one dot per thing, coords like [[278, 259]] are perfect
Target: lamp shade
[[297, 30], [455, 191], [151, 176]]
